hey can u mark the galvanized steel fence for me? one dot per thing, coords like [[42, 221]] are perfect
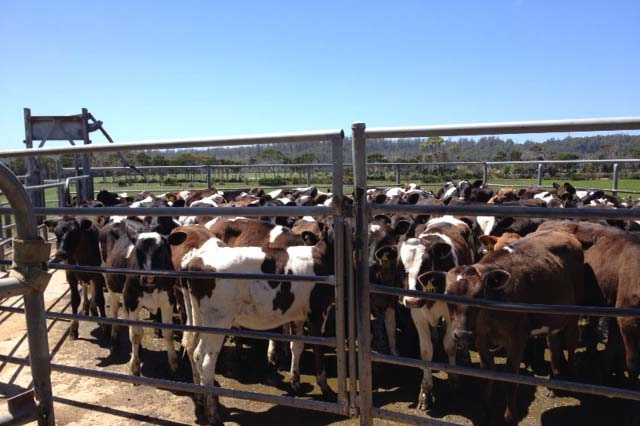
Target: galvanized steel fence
[[351, 278]]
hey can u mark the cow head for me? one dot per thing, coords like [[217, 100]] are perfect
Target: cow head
[[419, 256], [69, 233], [474, 281]]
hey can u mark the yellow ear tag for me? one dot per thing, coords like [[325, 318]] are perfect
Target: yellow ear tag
[[430, 288], [384, 260]]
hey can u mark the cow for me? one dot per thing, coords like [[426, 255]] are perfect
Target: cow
[[385, 234], [256, 304], [140, 247], [611, 258], [77, 244], [541, 268], [446, 242]]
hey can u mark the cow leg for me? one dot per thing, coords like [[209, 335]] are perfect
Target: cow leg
[[114, 302], [86, 303], [486, 362], [206, 356], [317, 321], [390, 328], [425, 396], [97, 303], [135, 335], [450, 348], [514, 357], [166, 312], [75, 303], [296, 352], [630, 331]]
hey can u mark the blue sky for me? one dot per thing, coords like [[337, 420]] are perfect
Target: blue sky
[[153, 69]]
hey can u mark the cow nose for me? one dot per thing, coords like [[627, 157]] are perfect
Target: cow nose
[[461, 337]]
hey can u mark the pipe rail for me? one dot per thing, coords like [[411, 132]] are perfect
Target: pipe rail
[[506, 128], [325, 279], [312, 340], [482, 373], [508, 306], [497, 210], [185, 387], [204, 142]]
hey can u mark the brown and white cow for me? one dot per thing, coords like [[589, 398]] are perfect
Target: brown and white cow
[[254, 304], [541, 268], [444, 243]]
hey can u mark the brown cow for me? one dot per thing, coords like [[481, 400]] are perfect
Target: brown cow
[[612, 255], [544, 268]]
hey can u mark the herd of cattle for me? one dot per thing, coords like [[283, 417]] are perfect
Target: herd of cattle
[[540, 261]]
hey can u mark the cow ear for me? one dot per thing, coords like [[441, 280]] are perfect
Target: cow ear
[[51, 224], [402, 227], [469, 221], [433, 281], [413, 198], [569, 188], [441, 250], [380, 199], [488, 241], [386, 255], [521, 192], [555, 185], [85, 224], [495, 282], [309, 238], [177, 238], [477, 184], [381, 218]]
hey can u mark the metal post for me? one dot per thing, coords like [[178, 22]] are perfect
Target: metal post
[[397, 174], [614, 188], [85, 188], [58, 170], [362, 272], [33, 301], [351, 320], [485, 173], [308, 170], [208, 167], [339, 272], [34, 176], [540, 172]]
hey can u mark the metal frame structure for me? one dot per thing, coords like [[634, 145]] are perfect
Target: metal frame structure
[[344, 405], [365, 210], [351, 279]]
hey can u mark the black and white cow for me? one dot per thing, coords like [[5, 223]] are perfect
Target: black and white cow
[[254, 304], [77, 244], [445, 242], [142, 248]]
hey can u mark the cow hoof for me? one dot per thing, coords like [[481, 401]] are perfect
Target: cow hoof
[[328, 394], [135, 368], [425, 401], [73, 333], [296, 388]]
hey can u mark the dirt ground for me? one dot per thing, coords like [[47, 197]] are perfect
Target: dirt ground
[[82, 401]]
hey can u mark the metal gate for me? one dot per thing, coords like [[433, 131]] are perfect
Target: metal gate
[[351, 279]]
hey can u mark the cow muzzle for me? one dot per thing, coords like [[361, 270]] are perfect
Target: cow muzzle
[[462, 337], [413, 302]]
